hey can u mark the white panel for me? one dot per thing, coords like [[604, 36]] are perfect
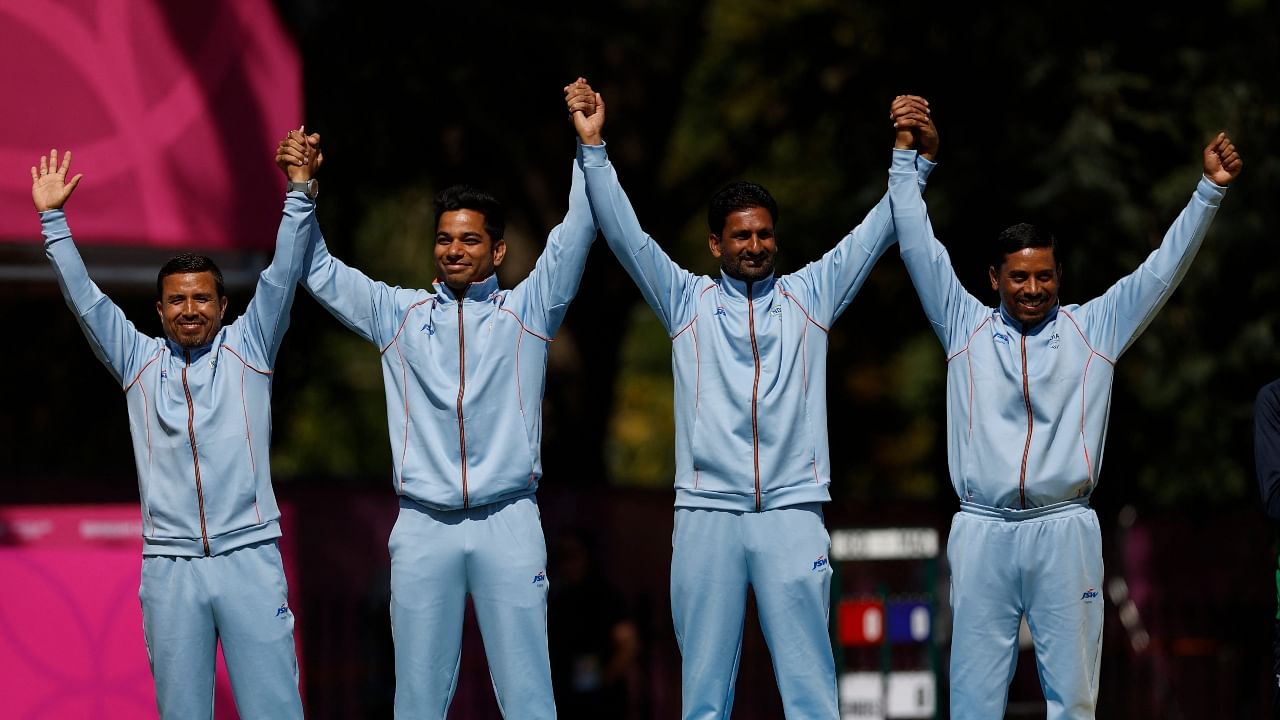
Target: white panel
[[862, 696], [910, 695], [884, 544]]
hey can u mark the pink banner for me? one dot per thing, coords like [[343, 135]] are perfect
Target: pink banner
[[71, 641], [172, 111]]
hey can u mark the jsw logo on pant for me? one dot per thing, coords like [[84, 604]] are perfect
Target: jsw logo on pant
[[1089, 594]]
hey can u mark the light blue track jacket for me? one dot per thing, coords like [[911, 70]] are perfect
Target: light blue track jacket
[[464, 376], [750, 362], [1027, 408], [201, 418]]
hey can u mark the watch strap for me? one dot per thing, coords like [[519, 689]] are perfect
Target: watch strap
[[310, 187]]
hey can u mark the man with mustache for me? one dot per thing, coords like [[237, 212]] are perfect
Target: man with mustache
[[749, 355], [1028, 397], [464, 367], [200, 417]]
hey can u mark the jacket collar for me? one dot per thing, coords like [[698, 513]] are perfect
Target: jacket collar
[[475, 292], [737, 289]]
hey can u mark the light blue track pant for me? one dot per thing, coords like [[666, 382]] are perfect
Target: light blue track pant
[[238, 598], [1046, 565], [782, 554], [497, 553]]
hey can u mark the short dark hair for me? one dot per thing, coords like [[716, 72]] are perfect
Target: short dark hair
[[1020, 237], [465, 197], [189, 263], [735, 196]]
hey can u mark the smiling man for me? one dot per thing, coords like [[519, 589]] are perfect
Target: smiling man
[[749, 357], [464, 366], [200, 417], [1025, 272], [1028, 397]]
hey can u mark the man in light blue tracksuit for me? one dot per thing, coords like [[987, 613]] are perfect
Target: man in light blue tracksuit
[[464, 366], [1028, 397], [749, 355], [200, 418]]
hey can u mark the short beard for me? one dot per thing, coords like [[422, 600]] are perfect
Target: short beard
[[193, 344], [738, 272]]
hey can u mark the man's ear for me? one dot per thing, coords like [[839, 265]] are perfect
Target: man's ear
[[713, 242], [995, 277], [221, 310], [499, 251]]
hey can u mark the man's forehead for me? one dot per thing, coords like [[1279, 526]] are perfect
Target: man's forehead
[[753, 216], [1031, 259], [461, 221], [188, 281]]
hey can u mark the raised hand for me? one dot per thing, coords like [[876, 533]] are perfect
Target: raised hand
[[298, 156], [915, 128], [1222, 163], [49, 186], [586, 109]]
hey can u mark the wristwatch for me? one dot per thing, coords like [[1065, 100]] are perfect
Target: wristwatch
[[310, 187]]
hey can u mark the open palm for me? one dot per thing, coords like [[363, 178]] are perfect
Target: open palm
[[49, 185]]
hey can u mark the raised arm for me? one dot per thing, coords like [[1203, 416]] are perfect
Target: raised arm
[[555, 277], [114, 340], [665, 285], [266, 317], [835, 279], [1117, 317], [365, 306], [951, 310]]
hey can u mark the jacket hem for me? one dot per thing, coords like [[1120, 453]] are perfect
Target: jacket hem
[[1066, 507], [771, 500], [474, 501], [194, 547]]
